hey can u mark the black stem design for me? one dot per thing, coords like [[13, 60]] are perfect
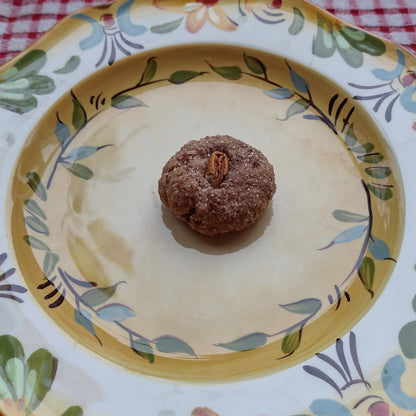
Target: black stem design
[[367, 234]]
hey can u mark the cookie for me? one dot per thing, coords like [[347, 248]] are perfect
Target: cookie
[[217, 184]]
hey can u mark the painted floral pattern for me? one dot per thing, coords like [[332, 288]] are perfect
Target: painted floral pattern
[[113, 32], [25, 381], [20, 84], [398, 86]]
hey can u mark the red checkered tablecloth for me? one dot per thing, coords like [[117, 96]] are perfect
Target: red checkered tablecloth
[[23, 21]]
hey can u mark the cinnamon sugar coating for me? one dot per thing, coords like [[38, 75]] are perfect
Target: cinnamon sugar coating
[[239, 200]]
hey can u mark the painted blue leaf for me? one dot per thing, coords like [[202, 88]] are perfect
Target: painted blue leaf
[[299, 83], [326, 407], [246, 343], [115, 312], [36, 225], [49, 263], [386, 75], [279, 93], [307, 306], [346, 236], [297, 107], [172, 345], [379, 249], [62, 132], [348, 216], [82, 152], [99, 295], [77, 169], [84, 318], [143, 348], [126, 101], [406, 99], [391, 378], [125, 23], [95, 37]]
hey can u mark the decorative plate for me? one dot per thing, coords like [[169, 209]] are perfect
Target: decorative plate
[[111, 305]]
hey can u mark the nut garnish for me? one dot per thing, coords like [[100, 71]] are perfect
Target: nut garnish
[[217, 168]]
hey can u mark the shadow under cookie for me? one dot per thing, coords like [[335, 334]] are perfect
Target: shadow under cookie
[[220, 244]]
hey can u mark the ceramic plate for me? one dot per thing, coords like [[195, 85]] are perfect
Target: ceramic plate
[[111, 305]]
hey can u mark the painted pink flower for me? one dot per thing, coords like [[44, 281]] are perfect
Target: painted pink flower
[[198, 13], [379, 409]]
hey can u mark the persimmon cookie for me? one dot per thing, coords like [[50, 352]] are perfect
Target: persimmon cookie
[[217, 184]]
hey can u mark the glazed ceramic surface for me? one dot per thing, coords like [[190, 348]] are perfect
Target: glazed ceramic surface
[[111, 305]]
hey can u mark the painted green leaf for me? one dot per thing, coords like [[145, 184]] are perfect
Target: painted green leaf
[[115, 313], [371, 158], [166, 27], [97, 296], [352, 56], [73, 411], [10, 350], [297, 107], [49, 263], [10, 73], [43, 362], [180, 77], [407, 336], [36, 225], [231, 73], [378, 172], [299, 83], [347, 216], [122, 102], [323, 43], [34, 181], [17, 103], [40, 84], [15, 371], [306, 306], [149, 72], [353, 33], [350, 138], [62, 132], [379, 249], [35, 243], [279, 93], [82, 152], [366, 273], [246, 343], [10, 347], [34, 208], [370, 44], [254, 65], [381, 192], [172, 345], [291, 342], [297, 23], [143, 348], [79, 116], [78, 169], [70, 66], [83, 318], [31, 63], [365, 148]]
